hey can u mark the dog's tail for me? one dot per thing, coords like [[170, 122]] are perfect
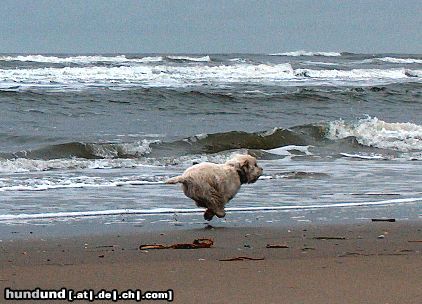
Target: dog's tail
[[175, 180]]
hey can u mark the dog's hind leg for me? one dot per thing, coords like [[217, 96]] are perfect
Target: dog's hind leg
[[208, 214], [206, 197], [213, 206], [216, 204]]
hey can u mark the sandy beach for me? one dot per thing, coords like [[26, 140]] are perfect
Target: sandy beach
[[104, 104], [366, 262]]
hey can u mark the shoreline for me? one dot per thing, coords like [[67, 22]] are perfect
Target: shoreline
[[373, 262], [170, 211], [128, 220]]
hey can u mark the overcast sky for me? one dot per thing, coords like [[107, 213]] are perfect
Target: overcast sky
[[209, 26]]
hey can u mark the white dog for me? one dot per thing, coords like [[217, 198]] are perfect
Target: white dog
[[211, 185]]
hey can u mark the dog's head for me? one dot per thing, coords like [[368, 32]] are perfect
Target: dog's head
[[247, 168]]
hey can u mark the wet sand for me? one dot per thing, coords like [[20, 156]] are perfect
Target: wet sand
[[366, 262]]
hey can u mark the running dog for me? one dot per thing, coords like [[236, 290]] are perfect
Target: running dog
[[212, 186]]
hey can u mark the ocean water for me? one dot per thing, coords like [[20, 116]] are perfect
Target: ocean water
[[96, 135]]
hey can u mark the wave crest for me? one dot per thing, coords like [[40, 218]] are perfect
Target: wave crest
[[373, 132], [369, 138], [89, 150], [399, 60], [70, 59], [176, 76], [82, 59], [307, 53], [189, 58]]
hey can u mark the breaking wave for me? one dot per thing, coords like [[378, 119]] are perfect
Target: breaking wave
[[89, 150], [399, 60], [374, 132], [356, 74], [307, 53], [147, 76], [215, 147], [47, 183], [189, 58], [141, 76], [123, 72], [101, 59], [368, 138]]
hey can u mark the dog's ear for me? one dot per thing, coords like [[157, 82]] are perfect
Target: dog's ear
[[238, 162], [243, 167], [244, 163], [243, 171]]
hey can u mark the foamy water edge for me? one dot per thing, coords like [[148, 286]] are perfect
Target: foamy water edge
[[158, 211]]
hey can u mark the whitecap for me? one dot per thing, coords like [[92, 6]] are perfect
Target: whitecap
[[81, 59], [137, 148], [143, 75], [70, 59], [413, 73], [19, 165], [354, 74], [62, 182], [307, 53], [239, 60], [286, 150], [399, 60], [189, 58], [374, 132], [149, 59], [322, 63], [175, 76], [363, 156]]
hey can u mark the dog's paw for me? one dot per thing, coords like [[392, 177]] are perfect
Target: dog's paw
[[208, 215], [220, 213]]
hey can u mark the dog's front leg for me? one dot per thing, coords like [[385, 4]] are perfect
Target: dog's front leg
[[208, 214], [220, 213]]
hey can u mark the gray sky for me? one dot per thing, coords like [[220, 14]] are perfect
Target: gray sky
[[209, 26]]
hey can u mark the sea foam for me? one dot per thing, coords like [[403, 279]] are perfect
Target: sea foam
[[354, 74], [190, 58], [70, 59], [156, 211], [374, 132], [307, 53], [399, 60], [154, 72], [98, 59], [142, 75]]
